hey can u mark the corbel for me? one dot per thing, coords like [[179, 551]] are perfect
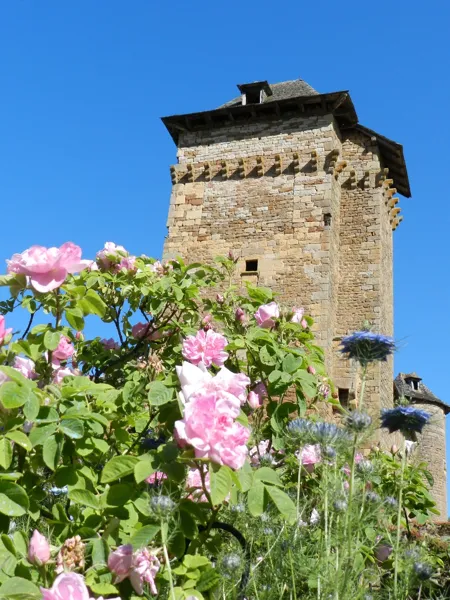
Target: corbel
[[391, 192], [296, 162], [313, 161], [207, 171], [392, 202], [340, 167], [366, 180], [173, 175], [332, 160], [241, 168], [382, 176], [396, 222], [260, 165], [224, 169], [352, 180], [278, 164], [190, 173], [394, 212]]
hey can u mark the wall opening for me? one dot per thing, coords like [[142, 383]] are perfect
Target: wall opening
[[327, 219], [344, 397], [251, 266]]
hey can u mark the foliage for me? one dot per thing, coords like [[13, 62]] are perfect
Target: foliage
[[88, 455]]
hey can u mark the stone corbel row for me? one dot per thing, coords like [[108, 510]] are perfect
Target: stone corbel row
[[391, 200]]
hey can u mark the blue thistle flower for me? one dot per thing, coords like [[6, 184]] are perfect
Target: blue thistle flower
[[300, 430], [231, 563], [406, 419], [391, 502], [423, 571], [358, 421], [340, 505], [325, 433], [365, 468], [162, 506], [367, 346], [329, 452], [372, 497]]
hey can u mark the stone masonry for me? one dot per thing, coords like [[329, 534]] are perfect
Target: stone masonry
[[287, 177]]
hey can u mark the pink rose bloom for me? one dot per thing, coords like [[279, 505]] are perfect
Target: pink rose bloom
[[156, 478], [233, 383], [110, 255], [48, 268], [208, 425], [257, 395], [64, 350], [67, 586], [139, 330], [311, 370], [156, 267], [38, 549], [310, 456], [25, 366], [4, 333], [144, 570], [191, 378], [206, 347], [304, 323], [298, 315], [60, 373], [240, 315], [110, 344], [128, 263], [194, 485], [120, 561], [266, 314]]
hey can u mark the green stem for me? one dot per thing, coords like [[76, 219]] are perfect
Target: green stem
[[293, 576], [363, 387], [399, 517], [327, 533], [166, 558]]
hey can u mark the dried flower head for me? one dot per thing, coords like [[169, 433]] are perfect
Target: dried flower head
[[423, 570], [71, 555]]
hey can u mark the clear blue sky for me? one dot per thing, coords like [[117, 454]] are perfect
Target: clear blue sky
[[84, 156]]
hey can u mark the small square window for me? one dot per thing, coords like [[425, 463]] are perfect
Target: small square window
[[251, 265], [327, 219], [344, 398]]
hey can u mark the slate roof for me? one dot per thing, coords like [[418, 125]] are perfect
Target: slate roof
[[280, 91], [404, 388]]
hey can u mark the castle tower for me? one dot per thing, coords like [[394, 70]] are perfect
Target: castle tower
[[289, 181], [431, 447]]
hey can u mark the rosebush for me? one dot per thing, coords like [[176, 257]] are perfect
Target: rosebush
[[185, 455]]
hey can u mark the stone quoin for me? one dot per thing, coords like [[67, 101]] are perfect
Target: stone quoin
[[305, 197]]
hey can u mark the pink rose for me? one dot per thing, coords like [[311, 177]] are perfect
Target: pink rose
[[208, 425], [38, 549], [128, 263], [194, 485], [254, 401], [157, 267], [266, 314], [4, 333], [311, 370], [48, 268], [233, 383], [25, 366], [191, 378], [67, 586], [144, 570], [110, 255], [120, 561], [156, 478], [240, 315], [110, 344], [60, 373], [141, 330], [257, 395], [64, 350], [206, 347], [298, 315], [304, 323], [310, 456]]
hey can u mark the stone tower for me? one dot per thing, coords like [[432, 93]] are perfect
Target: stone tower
[[431, 446], [289, 181]]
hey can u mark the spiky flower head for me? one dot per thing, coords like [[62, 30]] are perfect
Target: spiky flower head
[[367, 346], [391, 502], [162, 506], [300, 430], [407, 419], [231, 563], [328, 452], [340, 505], [423, 570], [372, 497], [358, 421], [364, 467]]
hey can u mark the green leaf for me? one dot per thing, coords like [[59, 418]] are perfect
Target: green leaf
[[285, 505], [159, 394], [195, 561], [267, 475], [73, 428], [119, 494], [291, 363], [144, 535], [92, 304], [6, 453], [17, 588], [245, 475], [117, 467], [274, 375], [50, 452], [208, 580], [144, 468], [38, 435], [256, 500], [51, 339], [20, 438], [13, 395], [266, 357], [75, 319], [31, 408], [20, 542], [14, 500], [8, 543], [188, 525], [16, 376], [103, 587], [100, 552], [220, 483], [85, 498]]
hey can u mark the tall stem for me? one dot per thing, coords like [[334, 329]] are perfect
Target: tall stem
[[363, 387], [399, 517], [299, 480], [166, 558]]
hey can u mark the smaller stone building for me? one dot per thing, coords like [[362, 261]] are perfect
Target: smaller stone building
[[431, 446]]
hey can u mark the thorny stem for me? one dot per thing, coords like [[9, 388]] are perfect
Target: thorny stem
[[30, 322]]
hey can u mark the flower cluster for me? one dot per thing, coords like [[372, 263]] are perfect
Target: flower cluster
[[69, 586], [207, 347], [367, 346], [115, 258], [139, 567]]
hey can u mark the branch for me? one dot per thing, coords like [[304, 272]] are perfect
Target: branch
[[30, 322]]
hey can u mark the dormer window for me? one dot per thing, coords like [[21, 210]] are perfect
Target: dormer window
[[414, 382], [254, 93]]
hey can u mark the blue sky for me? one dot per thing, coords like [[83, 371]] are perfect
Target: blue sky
[[85, 157]]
